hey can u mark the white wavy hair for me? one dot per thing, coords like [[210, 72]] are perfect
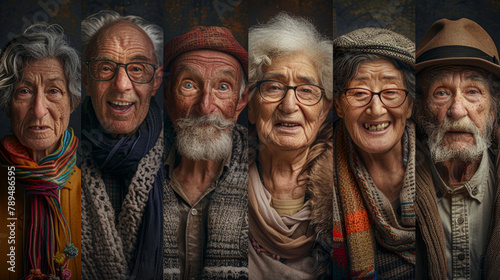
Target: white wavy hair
[[95, 22], [284, 35]]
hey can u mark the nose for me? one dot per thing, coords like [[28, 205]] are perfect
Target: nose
[[121, 81], [457, 108], [40, 105], [206, 104], [376, 107], [289, 102]]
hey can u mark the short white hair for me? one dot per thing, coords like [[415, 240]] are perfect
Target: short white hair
[[92, 24], [284, 35]]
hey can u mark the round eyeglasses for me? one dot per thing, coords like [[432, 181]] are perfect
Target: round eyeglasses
[[360, 97], [137, 72], [274, 91]]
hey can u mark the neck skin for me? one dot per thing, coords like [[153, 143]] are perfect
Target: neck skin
[[196, 176], [38, 155], [386, 170], [455, 172], [280, 171]]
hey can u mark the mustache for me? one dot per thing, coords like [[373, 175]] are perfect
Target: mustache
[[464, 124], [212, 120]]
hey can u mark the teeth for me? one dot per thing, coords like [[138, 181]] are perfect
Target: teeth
[[117, 103], [288, 124], [376, 127], [37, 127]]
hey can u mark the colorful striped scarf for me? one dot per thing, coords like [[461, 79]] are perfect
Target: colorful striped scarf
[[47, 253]]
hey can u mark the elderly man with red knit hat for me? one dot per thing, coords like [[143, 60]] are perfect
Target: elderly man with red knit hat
[[206, 170], [457, 181]]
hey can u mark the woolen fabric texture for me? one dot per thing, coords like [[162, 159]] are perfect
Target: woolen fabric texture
[[371, 241], [205, 37], [133, 248], [226, 255], [377, 41]]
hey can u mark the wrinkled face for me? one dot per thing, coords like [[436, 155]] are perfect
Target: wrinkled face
[[374, 128], [458, 113], [202, 100], [288, 124], [120, 104], [40, 107]]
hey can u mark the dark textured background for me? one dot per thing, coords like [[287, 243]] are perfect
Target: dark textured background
[[16, 17], [485, 12]]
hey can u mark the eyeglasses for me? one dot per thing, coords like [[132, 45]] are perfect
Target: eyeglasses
[[137, 72], [274, 91], [360, 97]]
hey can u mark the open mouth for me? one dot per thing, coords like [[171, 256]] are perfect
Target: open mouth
[[376, 127], [288, 124], [38, 128], [120, 106]]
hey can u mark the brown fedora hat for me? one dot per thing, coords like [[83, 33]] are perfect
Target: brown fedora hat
[[457, 42]]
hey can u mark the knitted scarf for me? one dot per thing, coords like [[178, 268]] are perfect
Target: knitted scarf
[[134, 249], [47, 252], [362, 212]]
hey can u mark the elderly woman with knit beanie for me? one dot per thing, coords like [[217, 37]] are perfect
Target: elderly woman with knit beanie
[[39, 182], [290, 173], [374, 161]]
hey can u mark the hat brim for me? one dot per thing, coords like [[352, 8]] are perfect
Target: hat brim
[[462, 61]]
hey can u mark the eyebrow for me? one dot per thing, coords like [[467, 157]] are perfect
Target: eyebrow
[[134, 58], [384, 78], [309, 80], [30, 82], [187, 68]]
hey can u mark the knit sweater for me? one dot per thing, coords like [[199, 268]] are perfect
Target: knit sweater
[[226, 255]]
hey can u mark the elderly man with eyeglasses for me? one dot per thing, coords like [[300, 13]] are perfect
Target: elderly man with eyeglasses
[[122, 140], [206, 171]]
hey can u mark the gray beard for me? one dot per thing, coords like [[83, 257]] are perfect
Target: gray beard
[[441, 153], [204, 137]]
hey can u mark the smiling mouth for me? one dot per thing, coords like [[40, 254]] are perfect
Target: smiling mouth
[[288, 124], [376, 127], [121, 106]]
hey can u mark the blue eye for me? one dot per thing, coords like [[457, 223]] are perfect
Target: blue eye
[[223, 87], [188, 85]]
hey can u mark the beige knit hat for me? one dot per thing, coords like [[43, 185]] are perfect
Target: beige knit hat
[[457, 42], [377, 41]]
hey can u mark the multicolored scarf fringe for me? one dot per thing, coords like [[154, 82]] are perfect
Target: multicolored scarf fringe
[[353, 236], [47, 256]]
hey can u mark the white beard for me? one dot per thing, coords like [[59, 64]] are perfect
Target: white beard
[[204, 137], [442, 153]]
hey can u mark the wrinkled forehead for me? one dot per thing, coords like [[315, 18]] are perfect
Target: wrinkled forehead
[[121, 36], [467, 73], [199, 60]]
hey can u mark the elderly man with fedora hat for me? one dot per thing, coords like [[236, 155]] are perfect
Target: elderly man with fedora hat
[[206, 170], [457, 80]]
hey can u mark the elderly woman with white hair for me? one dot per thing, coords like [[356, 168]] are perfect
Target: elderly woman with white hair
[[374, 163], [290, 175], [39, 88]]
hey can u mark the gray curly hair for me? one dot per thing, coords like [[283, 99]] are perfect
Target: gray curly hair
[[284, 35], [93, 23], [38, 42]]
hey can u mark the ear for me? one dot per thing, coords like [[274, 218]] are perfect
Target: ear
[[338, 107], [327, 105], [157, 79], [242, 103], [409, 111]]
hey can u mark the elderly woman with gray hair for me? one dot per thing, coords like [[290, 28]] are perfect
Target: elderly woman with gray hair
[[39, 88], [290, 181], [374, 163]]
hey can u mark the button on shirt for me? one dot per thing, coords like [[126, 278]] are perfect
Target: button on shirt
[[465, 213], [193, 222]]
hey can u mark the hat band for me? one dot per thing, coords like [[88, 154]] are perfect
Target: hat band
[[454, 52]]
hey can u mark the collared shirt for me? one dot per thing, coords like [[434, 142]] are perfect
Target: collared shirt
[[465, 213], [193, 221]]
